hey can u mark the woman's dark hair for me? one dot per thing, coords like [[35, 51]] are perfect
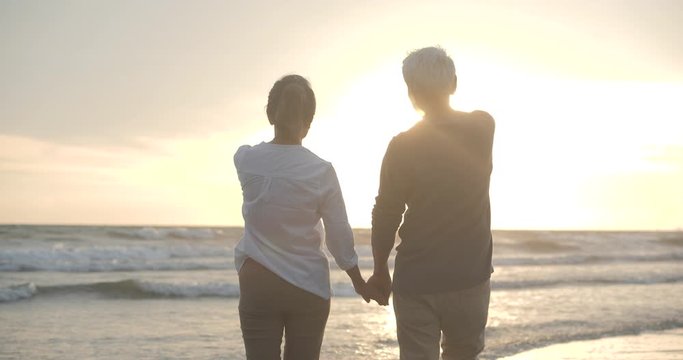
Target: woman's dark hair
[[291, 98]]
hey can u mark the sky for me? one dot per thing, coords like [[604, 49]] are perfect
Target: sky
[[129, 112]]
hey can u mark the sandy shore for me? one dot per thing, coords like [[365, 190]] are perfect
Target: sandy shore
[[665, 345]]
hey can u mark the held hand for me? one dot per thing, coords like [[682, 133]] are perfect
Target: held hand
[[365, 290], [361, 288], [373, 293], [368, 292], [381, 283], [358, 283]]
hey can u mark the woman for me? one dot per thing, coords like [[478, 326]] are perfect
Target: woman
[[283, 272]]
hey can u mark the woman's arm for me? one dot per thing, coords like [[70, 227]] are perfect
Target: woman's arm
[[339, 237], [358, 282]]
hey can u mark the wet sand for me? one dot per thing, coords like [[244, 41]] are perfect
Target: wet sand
[[664, 345]]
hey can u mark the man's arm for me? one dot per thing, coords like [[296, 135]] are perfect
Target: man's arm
[[380, 279], [386, 217]]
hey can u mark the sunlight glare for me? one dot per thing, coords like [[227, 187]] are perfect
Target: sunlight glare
[[354, 134]]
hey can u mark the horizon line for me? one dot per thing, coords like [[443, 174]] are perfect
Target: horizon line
[[679, 229]]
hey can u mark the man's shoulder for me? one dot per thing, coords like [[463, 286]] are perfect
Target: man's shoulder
[[409, 139], [475, 119], [403, 139], [411, 133], [478, 121], [483, 119]]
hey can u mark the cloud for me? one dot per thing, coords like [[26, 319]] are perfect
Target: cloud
[[91, 72], [106, 71], [170, 181]]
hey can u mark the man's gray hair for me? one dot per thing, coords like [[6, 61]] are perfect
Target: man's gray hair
[[429, 71]]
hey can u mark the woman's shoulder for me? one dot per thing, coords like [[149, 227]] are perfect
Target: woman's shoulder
[[243, 148], [314, 158], [240, 153]]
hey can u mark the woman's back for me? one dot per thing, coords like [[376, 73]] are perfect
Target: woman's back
[[284, 273], [287, 190]]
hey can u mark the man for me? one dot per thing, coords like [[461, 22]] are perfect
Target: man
[[440, 170]]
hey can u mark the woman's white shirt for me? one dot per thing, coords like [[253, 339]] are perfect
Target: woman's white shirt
[[287, 190]]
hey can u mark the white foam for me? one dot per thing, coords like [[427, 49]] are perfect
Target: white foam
[[154, 233], [117, 258], [190, 290], [17, 292]]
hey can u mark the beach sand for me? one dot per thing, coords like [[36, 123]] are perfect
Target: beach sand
[[664, 345]]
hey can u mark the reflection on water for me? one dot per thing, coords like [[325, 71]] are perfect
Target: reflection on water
[[662, 345], [390, 318], [366, 331]]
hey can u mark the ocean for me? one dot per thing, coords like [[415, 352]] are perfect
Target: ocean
[[103, 292]]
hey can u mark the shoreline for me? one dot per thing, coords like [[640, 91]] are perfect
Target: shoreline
[[649, 345]]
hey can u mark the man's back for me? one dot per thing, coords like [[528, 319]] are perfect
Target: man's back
[[440, 169]]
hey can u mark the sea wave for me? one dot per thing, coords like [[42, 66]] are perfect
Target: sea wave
[[138, 257], [596, 281], [159, 233], [71, 234], [116, 258], [188, 258], [146, 289], [117, 267], [140, 289], [585, 259], [127, 289], [17, 292]]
